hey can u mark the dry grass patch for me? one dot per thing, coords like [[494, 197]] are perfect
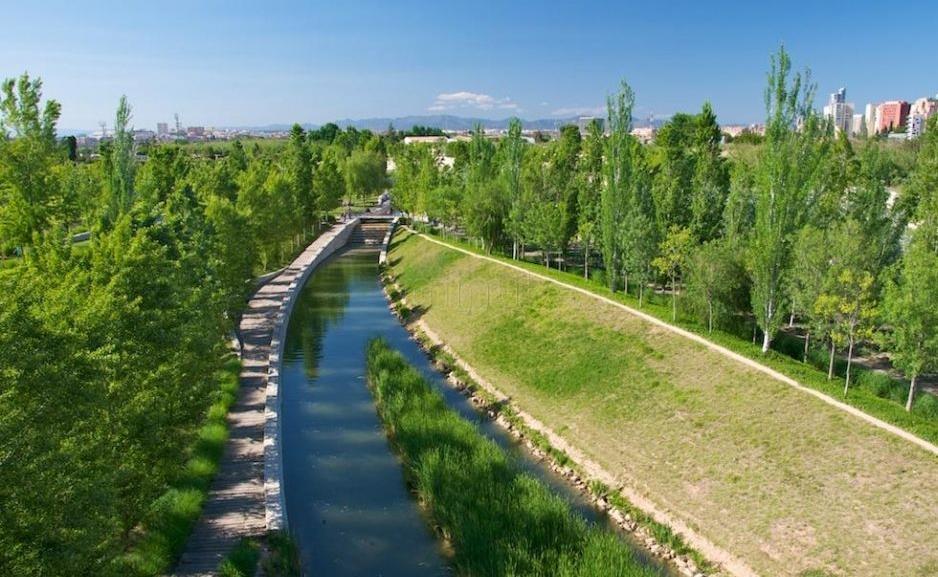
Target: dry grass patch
[[777, 477]]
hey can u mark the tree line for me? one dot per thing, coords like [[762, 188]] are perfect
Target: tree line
[[110, 347], [800, 232]]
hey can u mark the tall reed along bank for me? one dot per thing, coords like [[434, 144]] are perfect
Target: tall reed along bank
[[725, 454], [496, 519]]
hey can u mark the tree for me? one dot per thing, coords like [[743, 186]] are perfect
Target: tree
[[809, 271], [673, 179], [28, 188], [847, 301], [590, 175], [785, 176], [511, 151], [328, 183], [484, 205], [365, 175], [710, 181], [712, 278], [909, 307], [672, 262], [121, 164], [300, 170], [618, 170], [565, 155], [912, 315]]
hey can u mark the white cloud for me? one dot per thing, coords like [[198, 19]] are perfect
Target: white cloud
[[580, 111], [465, 99]]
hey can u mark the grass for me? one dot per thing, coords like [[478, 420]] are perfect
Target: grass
[[242, 561], [282, 557], [497, 520], [886, 401], [782, 480], [164, 532]]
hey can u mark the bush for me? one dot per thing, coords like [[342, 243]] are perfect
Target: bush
[[926, 405]]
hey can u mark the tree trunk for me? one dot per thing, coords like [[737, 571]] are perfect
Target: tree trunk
[[807, 338], [673, 300], [586, 261], [791, 319], [766, 341], [710, 316], [514, 250], [849, 362], [625, 277], [641, 293], [830, 365], [908, 403], [755, 328]]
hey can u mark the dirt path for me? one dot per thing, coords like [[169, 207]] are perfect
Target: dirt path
[[930, 447]]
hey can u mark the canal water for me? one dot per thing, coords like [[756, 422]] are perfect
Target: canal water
[[347, 503]]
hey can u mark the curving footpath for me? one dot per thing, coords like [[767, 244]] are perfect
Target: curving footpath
[[245, 499]]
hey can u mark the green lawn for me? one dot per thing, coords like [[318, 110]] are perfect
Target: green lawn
[[775, 476]]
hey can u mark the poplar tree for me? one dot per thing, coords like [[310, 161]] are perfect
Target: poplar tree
[[784, 183], [617, 172], [590, 175]]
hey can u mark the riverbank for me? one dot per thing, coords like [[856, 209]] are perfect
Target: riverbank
[[649, 531], [804, 486], [497, 520]]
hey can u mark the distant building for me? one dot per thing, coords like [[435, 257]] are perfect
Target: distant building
[[424, 139], [919, 113], [162, 128], [644, 134], [195, 131], [857, 125], [839, 111], [891, 115], [869, 117], [143, 135], [915, 126]]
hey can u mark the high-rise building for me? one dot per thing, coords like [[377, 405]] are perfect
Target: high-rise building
[[857, 125], [840, 111], [869, 117], [891, 115], [162, 128], [919, 113]]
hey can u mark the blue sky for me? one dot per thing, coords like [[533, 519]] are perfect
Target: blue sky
[[221, 63]]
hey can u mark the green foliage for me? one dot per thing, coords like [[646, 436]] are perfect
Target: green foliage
[[785, 177], [112, 350], [242, 561], [498, 520]]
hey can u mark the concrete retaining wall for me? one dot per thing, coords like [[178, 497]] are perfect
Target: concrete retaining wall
[[386, 243], [300, 269]]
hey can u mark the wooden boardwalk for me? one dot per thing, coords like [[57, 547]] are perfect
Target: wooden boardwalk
[[234, 507]]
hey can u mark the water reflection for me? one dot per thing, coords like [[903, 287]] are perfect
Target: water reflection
[[347, 503]]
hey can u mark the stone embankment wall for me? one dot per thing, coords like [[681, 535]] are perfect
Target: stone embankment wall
[[298, 272]]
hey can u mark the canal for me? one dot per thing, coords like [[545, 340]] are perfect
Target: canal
[[347, 503]]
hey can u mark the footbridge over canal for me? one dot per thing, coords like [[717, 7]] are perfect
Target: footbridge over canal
[[246, 498]]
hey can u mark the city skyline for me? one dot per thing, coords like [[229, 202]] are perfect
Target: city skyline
[[314, 64]]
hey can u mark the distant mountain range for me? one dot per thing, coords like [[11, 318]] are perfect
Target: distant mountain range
[[442, 121]]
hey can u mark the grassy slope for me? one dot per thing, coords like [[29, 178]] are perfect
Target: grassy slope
[[775, 476]]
